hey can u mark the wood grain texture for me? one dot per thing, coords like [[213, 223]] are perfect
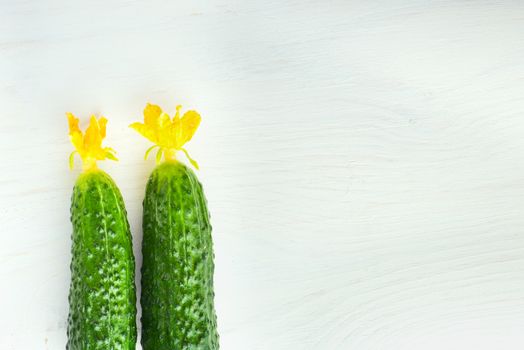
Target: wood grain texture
[[362, 161]]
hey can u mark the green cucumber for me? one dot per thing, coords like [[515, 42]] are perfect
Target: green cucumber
[[178, 310], [102, 299]]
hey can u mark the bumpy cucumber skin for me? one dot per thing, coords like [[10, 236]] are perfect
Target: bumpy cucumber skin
[[102, 296], [177, 298]]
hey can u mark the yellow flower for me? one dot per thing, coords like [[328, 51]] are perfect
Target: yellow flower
[[169, 135], [89, 146]]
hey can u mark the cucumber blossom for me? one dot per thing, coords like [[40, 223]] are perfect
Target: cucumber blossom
[[177, 297], [102, 296]]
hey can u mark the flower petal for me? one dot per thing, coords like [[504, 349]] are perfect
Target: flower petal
[[151, 114], [162, 122], [78, 142], [92, 138], [73, 123], [75, 135], [188, 126], [102, 122], [145, 130]]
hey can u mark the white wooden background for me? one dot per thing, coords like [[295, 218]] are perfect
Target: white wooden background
[[363, 161]]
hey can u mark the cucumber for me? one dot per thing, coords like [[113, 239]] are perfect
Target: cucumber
[[102, 295], [177, 297], [102, 299], [177, 271]]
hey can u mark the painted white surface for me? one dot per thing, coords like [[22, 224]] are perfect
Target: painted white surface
[[363, 161]]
